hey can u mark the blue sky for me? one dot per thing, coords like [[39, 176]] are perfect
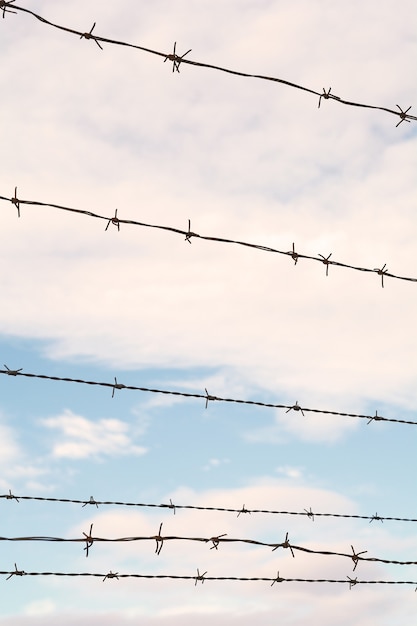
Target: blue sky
[[242, 159]]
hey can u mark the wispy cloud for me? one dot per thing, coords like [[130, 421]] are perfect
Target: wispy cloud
[[82, 438], [215, 463]]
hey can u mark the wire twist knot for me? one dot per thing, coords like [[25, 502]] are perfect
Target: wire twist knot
[[5, 7], [89, 35], [199, 577], [17, 572], [356, 556], [175, 58], [89, 540], [90, 501], [295, 407]]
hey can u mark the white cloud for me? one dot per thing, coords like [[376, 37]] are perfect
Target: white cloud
[[82, 438], [215, 463], [289, 471], [40, 607], [311, 427], [180, 600], [325, 179]]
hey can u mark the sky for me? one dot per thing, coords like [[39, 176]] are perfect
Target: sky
[[242, 159]]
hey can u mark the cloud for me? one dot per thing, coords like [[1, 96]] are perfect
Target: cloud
[[215, 463], [82, 438], [314, 428], [324, 179], [290, 472], [40, 607], [9, 449], [182, 600]]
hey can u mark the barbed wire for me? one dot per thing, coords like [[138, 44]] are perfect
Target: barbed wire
[[176, 60], [89, 539], [306, 513], [207, 397], [188, 234], [202, 577]]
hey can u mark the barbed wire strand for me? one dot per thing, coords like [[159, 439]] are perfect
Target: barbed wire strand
[[177, 60], [207, 397], [188, 234], [306, 513], [89, 539], [203, 577]]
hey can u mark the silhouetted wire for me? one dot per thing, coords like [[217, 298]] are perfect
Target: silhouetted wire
[[179, 59], [188, 234], [203, 577], [306, 513], [207, 397], [89, 540]]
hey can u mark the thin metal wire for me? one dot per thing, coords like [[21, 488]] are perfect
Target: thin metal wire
[[117, 221], [89, 539], [180, 59], [306, 513], [204, 577], [183, 394]]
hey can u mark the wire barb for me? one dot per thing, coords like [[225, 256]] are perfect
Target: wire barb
[[296, 407], [114, 220], [285, 544], [209, 397], [310, 514], [294, 255], [352, 582], [176, 60], [17, 572], [15, 199], [117, 386], [111, 575], [403, 115], [12, 372], [326, 262], [90, 501], [199, 577], [216, 541], [89, 540], [243, 510], [376, 418], [4, 5], [381, 272], [189, 233], [278, 579], [90, 36], [377, 518], [356, 556], [10, 496], [326, 95], [159, 540], [171, 505]]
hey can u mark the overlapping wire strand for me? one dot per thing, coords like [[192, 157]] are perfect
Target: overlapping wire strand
[[189, 235], [309, 513], [89, 539], [177, 60], [206, 397], [202, 577]]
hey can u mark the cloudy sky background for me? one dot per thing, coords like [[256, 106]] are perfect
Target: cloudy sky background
[[242, 159]]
